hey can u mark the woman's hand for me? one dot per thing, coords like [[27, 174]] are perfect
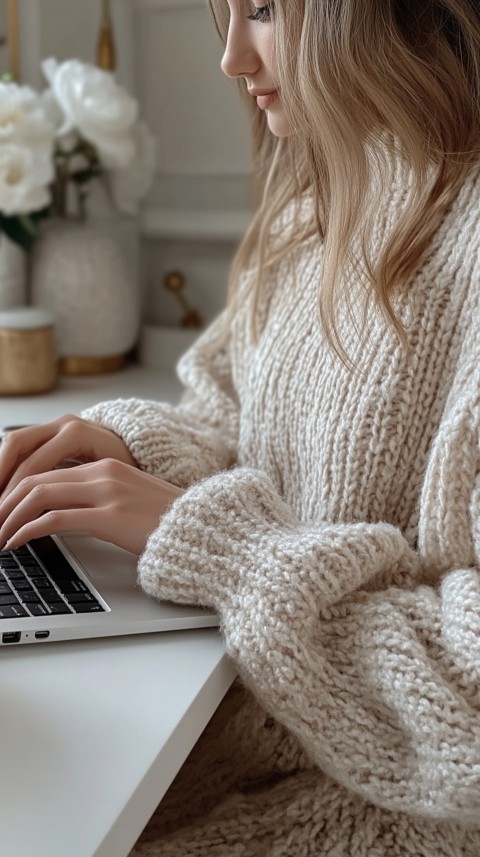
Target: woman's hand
[[108, 499], [39, 449]]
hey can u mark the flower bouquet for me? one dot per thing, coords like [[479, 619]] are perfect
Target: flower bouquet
[[81, 133], [83, 127]]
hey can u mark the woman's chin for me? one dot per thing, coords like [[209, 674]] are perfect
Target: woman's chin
[[278, 123]]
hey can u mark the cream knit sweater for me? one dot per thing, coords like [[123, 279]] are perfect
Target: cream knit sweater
[[333, 519]]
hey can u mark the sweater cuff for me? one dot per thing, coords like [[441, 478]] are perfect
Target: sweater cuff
[[163, 441], [205, 544], [232, 540], [131, 420]]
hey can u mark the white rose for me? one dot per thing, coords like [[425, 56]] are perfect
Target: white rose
[[55, 115], [127, 187], [25, 175], [23, 117], [95, 106]]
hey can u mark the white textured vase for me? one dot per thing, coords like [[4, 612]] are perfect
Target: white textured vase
[[13, 276], [82, 273]]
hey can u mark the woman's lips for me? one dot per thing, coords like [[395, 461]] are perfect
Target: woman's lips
[[264, 101]]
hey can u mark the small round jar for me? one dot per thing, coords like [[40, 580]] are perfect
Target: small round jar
[[28, 360]]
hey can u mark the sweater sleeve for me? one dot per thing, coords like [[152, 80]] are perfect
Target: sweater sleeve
[[187, 442], [367, 650]]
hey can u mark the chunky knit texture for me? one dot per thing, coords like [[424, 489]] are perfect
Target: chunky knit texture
[[332, 517]]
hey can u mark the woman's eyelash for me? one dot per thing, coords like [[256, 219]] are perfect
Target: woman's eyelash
[[263, 13]]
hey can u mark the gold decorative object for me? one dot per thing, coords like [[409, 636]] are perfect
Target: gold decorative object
[[11, 41], [106, 52], [28, 359], [91, 365], [175, 282]]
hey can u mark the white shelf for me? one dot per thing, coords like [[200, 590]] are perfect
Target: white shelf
[[165, 5], [162, 347], [195, 225]]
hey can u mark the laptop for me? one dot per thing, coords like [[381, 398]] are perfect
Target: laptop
[[76, 587]]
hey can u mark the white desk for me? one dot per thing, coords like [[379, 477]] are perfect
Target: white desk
[[92, 733], [74, 394]]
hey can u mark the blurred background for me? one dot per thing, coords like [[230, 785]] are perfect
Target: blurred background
[[167, 54]]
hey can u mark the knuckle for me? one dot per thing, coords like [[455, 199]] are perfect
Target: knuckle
[[116, 505], [38, 492], [70, 426], [67, 418], [29, 483], [9, 441], [111, 467], [52, 518]]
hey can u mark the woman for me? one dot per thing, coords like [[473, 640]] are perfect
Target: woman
[[319, 484]]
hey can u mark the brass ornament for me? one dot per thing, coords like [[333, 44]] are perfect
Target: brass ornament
[[106, 52], [91, 365], [174, 281]]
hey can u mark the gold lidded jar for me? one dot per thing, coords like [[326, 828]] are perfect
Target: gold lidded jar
[[28, 359]]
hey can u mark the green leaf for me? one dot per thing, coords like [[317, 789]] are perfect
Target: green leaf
[[20, 230], [84, 176], [42, 214], [28, 225]]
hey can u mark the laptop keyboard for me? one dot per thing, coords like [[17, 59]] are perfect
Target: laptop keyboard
[[27, 588]]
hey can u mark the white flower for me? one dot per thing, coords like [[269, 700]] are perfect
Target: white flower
[[23, 117], [25, 175], [26, 147], [128, 186], [95, 106], [55, 115]]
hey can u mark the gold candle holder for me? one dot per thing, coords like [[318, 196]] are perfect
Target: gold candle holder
[[106, 52], [28, 359], [13, 39]]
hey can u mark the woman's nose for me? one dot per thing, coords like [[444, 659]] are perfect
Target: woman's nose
[[240, 58]]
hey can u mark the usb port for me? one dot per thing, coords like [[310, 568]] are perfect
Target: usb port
[[11, 637], [42, 635]]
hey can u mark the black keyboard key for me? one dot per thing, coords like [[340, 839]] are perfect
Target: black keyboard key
[[22, 585], [8, 563], [8, 599], [58, 609], [38, 571], [73, 585], [15, 576], [58, 566], [51, 596], [23, 551], [12, 611], [38, 609], [42, 583], [30, 598], [47, 592], [88, 607], [79, 597], [4, 587]]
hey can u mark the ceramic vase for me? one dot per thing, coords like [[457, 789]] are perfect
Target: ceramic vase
[[83, 273], [13, 283]]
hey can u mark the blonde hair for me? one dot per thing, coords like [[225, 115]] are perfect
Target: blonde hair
[[351, 71]]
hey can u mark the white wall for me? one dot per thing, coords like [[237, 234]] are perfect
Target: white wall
[[169, 55]]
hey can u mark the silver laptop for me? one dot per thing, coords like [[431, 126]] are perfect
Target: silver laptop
[[77, 587]]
